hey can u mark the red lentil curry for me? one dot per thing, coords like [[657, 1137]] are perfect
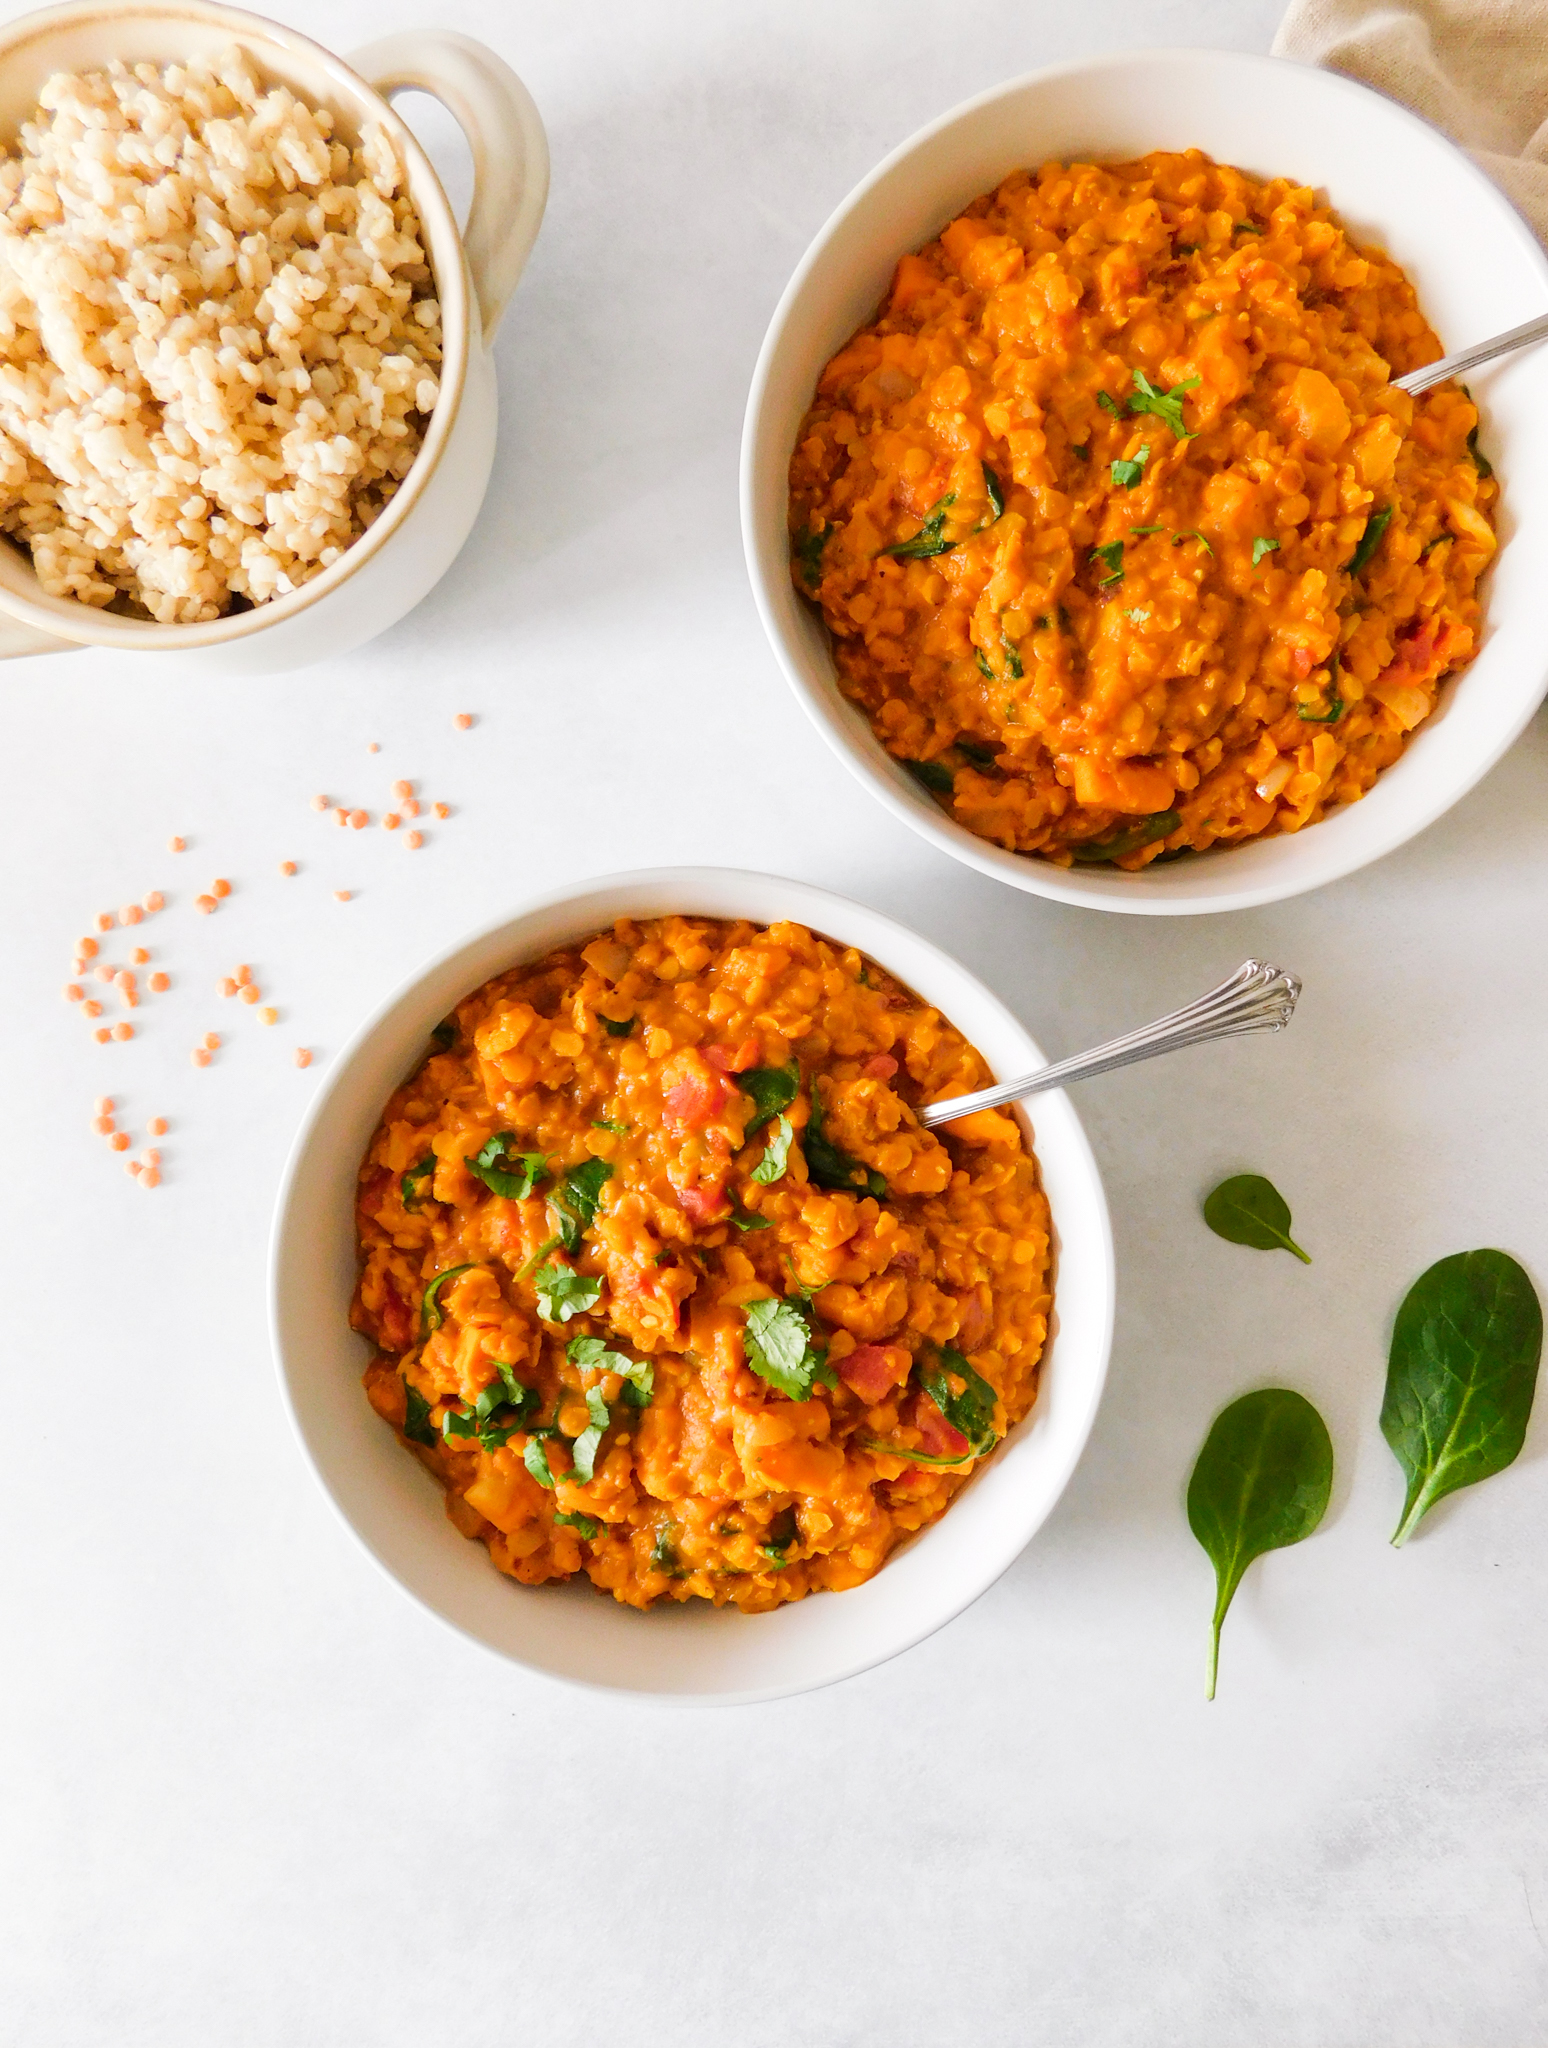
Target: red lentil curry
[[1127, 545], [668, 1284]]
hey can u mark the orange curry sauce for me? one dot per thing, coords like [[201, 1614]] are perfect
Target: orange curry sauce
[[702, 1266], [1121, 531]]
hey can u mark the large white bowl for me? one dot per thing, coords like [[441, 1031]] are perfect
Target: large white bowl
[[1395, 181], [693, 1654]]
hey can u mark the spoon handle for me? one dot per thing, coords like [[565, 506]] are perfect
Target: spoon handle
[[1257, 997], [1469, 358]]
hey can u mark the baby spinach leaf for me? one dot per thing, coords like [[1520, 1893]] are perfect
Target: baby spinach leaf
[[1262, 1481], [874, 1443], [772, 1089], [505, 1171], [1166, 405], [616, 1030], [1460, 1376], [417, 1426], [1370, 540], [535, 1457], [980, 755], [444, 1036], [583, 1525], [971, 1411], [830, 1166], [575, 1200], [927, 541], [1481, 462], [502, 1408], [1126, 474], [563, 1293], [431, 1313], [809, 555], [776, 1154], [409, 1185], [1128, 842], [777, 1342], [585, 1447], [935, 775], [1262, 547], [1247, 1209], [592, 1355], [995, 495]]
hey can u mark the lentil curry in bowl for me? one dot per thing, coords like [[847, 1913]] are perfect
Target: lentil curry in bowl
[[1125, 541], [668, 1285]]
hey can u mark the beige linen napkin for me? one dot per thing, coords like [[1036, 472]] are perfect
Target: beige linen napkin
[[1477, 68]]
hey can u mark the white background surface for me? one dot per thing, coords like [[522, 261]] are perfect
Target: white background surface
[[251, 1796]]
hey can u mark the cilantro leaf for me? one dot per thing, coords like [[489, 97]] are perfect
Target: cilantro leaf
[[575, 1200], [1195, 535], [745, 1220], [1126, 474], [971, 1411], [927, 541], [417, 1426], [777, 1342], [1110, 404], [1262, 547], [776, 1154], [585, 1447], [505, 1171], [933, 774], [1166, 405], [615, 1030], [502, 1408], [563, 1293], [431, 1313], [1370, 540], [808, 553], [583, 1525], [832, 1167], [772, 1089], [607, 1123], [1110, 554], [592, 1355], [535, 1458], [1335, 710], [408, 1186]]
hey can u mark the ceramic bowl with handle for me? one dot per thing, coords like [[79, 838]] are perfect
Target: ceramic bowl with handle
[[1395, 181], [385, 571], [695, 1653]]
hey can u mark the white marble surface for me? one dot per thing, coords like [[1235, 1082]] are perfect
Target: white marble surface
[[251, 1795]]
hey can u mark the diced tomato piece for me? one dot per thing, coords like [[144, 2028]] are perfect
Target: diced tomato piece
[[397, 1322], [703, 1205], [734, 1059], [940, 1439], [881, 1067], [873, 1370], [695, 1091]]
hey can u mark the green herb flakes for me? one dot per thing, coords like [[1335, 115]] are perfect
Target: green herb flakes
[[928, 540], [1370, 540], [592, 1355], [585, 1528], [408, 1186], [808, 553], [771, 1089], [417, 1426], [504, 1171], [575, 1200], [1127, 473], [776, 1154], [1262, 547], [1165, 405], [585, 1447], [1110, 555], [431, 1313], [830, 1166], [617, 1030], [563, 1293]]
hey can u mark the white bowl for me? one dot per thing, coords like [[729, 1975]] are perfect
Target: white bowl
[[1395, 181], [694, 1654]]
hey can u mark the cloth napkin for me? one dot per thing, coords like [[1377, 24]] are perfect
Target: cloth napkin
[[1478, 69]]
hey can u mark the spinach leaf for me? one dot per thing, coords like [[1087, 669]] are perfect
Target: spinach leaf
[[614, 1030], [563, 1293], [776, 1154], [745, 1220], [830, 1166], [417, 1426], [1331, 716], [583, 1525], [444, 1036], [772, 1089], [983, 666], [502, 1408], [874, 1443], [1081, 450], [1481, 462], [1013, 666], [1166, 405], [809, 555], [1262, 547], [995, 495], [1460, 1376], [431, 1313], [1247, 1209], [1127, 474], [1110, 554], [585, 1447], [927, 541], [778, 1346], [1370, 540], [575, 1200], [592, 1355], [535, 1457], [1262, 1481], [409, 1185], [971, 1411], [980, 755], [505, 1171], [1131, 841], [934, 775]]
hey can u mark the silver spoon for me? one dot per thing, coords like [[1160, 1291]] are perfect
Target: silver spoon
[[1257, 997], [1469, 358]]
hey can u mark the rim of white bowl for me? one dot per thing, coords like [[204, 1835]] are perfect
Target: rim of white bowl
[[678, 886], [849, 733]]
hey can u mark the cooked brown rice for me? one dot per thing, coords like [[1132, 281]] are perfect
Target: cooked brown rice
[[219, 339]]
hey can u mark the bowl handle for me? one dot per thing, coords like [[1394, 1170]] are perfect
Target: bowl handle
[[505, 134]]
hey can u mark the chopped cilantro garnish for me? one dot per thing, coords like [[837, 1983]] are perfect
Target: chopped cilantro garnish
[[983, 667], [535, 1457], [583, 1525], [1136, 531], [1081, 450], [585, 1447], [409, 1185], [971, 1411], [832, 1167], [1370, 540], [771, 1089], [575, 1200], [927, 541], [1262, 547], [809, 555], [1165, 405], [563, 1293], [778, 1344], [744, 1220], [616, 1030], [1126, 474], [1137, 616], [1130, 841], [505, 1171], [1195, 535], [417, 1426], [1013, 666], [431, 1313], [776, 1154], [663, 1557], [592, 1355], [1108, 403], [933, 774], [1110, 555]]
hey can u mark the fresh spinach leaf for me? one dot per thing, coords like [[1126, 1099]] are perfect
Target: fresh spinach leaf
[[1165, 405], [1262, 547], [592, 1355], [772, 1089], [983, 666], [535, 1457], [1013, 666], [431, 1313], [980, 755], [409, 1185], [1247, 1209], [809, 555], [927, 541], [607, 1123], [1262, 1481], [1334, 712], [505, 1171], [935, 775], [444, 1036], [1460, 1376], [1481, 462], [829, 1166], [563, 1293], [616, 1030], [583, 1525], [875, 1443], [575, 1200], [995, 495], [971, 1411], [776, 1154], [1127, 473], [1370, 540], [778, 1346], [502, 1408], [1130, 841], [417, 1426]]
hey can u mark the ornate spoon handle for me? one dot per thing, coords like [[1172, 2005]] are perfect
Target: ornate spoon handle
[[1257, 997]]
